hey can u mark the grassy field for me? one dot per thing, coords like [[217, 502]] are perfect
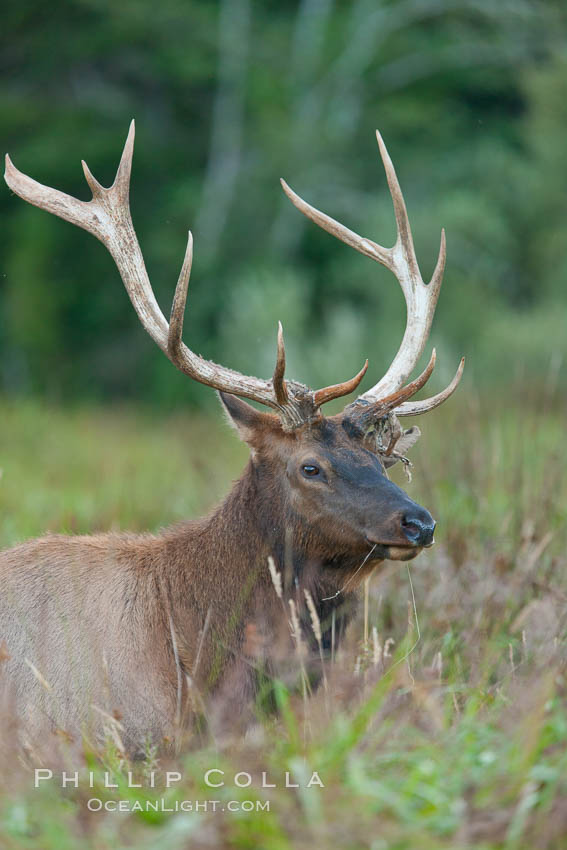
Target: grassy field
[[444, 722]]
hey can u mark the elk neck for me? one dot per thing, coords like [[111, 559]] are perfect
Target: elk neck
[[219, 564]]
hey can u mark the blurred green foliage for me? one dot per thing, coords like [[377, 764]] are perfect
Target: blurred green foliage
[[470, 95]]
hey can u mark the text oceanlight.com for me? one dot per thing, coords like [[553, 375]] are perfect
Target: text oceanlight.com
[[95, 804]]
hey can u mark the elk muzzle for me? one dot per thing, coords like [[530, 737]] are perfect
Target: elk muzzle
[[409, 529]]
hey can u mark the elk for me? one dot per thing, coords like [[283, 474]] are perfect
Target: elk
[[130, 624]]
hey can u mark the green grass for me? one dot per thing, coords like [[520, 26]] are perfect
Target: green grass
[[457, 738], [78, 471]]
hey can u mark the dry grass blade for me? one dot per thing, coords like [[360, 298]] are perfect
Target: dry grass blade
[[316, 626], [39, 676], [276, 577]]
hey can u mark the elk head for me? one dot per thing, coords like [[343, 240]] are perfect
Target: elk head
[[329, 471]]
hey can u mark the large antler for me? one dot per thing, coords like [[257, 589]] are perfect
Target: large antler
[[421, 299], [107, 216]]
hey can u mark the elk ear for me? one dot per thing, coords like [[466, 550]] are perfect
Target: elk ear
[[408, 439], [248, 421]]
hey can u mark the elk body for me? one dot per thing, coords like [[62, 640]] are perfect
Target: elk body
[[133, 626]]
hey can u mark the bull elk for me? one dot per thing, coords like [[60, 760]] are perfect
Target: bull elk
[[131, 624]]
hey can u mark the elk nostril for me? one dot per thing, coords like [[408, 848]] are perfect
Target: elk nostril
[[418, 531], [412, 529]]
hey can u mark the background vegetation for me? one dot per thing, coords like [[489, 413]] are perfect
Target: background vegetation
[[470, 96], [464, 741]]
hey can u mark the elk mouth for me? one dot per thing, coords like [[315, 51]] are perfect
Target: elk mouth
[[402, 553], [395, 551]]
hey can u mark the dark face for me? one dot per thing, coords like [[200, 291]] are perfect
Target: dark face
[[342, 488], [335, 486]]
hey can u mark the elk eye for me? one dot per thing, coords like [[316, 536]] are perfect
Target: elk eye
[[310, 470]]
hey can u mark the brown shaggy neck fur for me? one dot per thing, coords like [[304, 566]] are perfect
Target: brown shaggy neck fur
[[224, 580]]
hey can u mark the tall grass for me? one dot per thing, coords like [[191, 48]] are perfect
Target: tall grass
[[443, 719]]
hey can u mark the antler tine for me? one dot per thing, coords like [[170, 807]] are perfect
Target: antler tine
[[365, 415], [339, 390], [404, 239], [280, 388], [121, 183], [93, 183], [321, 396], [414, 408], [395, 399], [335, 228], [174, 342]]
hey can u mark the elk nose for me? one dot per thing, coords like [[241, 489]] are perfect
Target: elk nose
[[418, 526]]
